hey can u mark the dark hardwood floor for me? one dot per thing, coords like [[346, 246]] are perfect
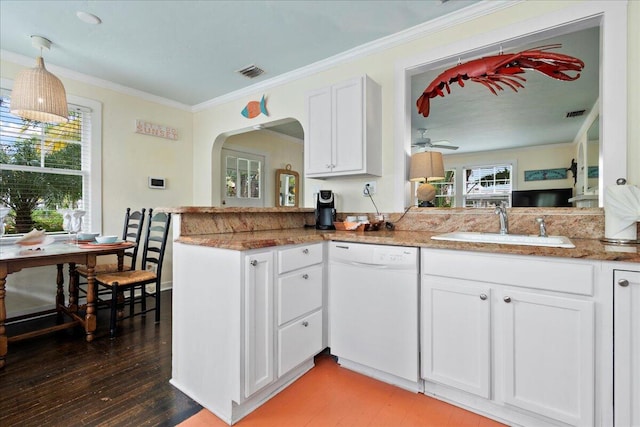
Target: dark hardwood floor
[[61, 380]]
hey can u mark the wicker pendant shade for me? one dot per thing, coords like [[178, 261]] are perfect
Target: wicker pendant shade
[[39, 95]]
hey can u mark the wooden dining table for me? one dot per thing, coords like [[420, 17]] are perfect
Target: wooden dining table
[[14, 258]]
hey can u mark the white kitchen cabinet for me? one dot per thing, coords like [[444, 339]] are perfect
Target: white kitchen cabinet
[[548, 355], [242, 328], [300, 295], [456, 325], [517, 331], [343, 136], [258, 324], [626, 295]]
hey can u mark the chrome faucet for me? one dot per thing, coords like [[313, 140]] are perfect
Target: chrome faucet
[[543, 227], [504, 221]]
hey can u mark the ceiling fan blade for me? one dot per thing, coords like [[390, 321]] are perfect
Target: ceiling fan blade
[[448, 147]]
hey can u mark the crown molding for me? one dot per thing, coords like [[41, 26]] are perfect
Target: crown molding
[[474, 11], [480, 9]]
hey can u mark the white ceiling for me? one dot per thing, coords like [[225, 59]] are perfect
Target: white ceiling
[[188, 51]]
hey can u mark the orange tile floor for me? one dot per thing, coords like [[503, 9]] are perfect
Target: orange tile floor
[[330, 395]]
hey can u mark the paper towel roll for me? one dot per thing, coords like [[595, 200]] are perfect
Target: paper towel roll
[[621, 212]]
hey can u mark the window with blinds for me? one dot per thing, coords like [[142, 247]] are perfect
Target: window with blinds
[[44, 168], [486, 186]]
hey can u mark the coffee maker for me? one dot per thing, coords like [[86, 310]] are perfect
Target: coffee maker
[[325, 210]]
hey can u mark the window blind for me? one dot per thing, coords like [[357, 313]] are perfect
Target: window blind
[[43, 168]]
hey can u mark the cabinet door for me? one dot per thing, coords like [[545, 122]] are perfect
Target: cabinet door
[[318, 135], [456, 336], [626, 320], [548, 345], [348, 121], [258, 317]]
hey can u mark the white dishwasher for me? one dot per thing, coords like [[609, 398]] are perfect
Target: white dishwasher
[[373, 310]]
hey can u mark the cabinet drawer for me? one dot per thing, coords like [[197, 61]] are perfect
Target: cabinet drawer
[[298, 293], [299, 341], [552, 274], [298, 257]]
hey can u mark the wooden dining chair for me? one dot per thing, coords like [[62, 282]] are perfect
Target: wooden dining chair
[[136, 280], [132, 232]]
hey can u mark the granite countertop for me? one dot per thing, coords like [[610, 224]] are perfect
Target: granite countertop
[[591, 249]]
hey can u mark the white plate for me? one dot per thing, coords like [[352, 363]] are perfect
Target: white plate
[[29, 245], [117, 242]]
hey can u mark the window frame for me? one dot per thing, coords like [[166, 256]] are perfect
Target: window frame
[[487, 197], [235, 201], [95, 161]]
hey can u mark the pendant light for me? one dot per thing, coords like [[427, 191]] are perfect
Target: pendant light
[[37, 94]]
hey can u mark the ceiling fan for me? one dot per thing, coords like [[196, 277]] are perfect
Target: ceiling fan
[[423, 141]]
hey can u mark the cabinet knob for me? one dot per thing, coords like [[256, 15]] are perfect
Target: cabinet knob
[[253, 262], [328, 166], [305, 251], [507, 299], [483, 297], [305, 276], [305, 323], [623, 282]]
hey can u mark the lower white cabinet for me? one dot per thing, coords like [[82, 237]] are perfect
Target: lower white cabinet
[[244, 326], [626, 295], [548, 355], [519, 332], [298, 341], [258, 321], [300, 291], [456, 333]]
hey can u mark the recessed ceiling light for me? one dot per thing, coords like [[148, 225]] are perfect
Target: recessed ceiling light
[[88, 18]]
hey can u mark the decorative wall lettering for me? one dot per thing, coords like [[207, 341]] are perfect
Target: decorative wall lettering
[[146, 128]]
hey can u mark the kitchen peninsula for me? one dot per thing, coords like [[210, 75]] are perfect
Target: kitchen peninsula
[[250, 308]]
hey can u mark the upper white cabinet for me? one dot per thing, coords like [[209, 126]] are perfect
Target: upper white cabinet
[[344, 133], [626, 318]]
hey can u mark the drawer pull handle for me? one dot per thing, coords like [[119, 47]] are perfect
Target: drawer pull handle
[[483, 297], [507, 299], [623, 282], [305, 251], [305, 323], [254, 262], [305, 276]]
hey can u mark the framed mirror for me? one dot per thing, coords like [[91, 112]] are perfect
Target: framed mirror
[[604, 23], [287, 187]]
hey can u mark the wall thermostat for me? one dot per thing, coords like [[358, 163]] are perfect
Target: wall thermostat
[[156, 182]]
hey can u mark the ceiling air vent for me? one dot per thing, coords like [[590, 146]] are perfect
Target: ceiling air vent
[[251, 71], [576, 113]]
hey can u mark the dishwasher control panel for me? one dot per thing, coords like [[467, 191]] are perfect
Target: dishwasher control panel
[[396, 257]]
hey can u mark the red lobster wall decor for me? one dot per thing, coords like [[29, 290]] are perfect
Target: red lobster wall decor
[[492, 71]]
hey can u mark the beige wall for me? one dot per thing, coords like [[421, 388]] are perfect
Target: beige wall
[[278, 151], [191, 164], [128, 159], [288, 101], [532, 158]]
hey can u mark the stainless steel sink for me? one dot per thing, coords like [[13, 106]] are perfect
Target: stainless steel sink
[[506, 239]]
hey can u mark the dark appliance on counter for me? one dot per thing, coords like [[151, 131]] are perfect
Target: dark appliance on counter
[[553, 197], [325, 210]]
